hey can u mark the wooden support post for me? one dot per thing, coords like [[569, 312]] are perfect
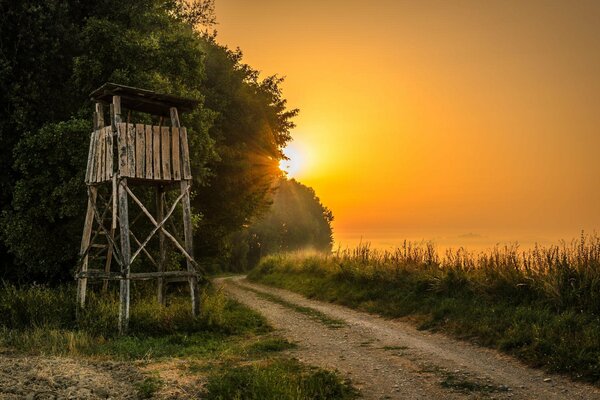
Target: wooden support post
[[160, 214], [123, 216], [85, 242], [187, 227], [125, 255], [189, 245], [115, 118]]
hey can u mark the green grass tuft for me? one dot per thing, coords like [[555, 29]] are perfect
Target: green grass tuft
[[147, 388], [277, 380]]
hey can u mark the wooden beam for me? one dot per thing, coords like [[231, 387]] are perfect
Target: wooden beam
[[187, 225], [185, 154], [157, 226], [189, 246], [166, 275], [85, 244], [125, 254], [167, 233], [160, 212]]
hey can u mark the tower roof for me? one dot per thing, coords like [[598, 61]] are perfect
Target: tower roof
[[143, 100]]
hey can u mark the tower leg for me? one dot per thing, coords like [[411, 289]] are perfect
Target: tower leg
[[160, 215], [189, 245], [85, 242], [113, 228], [126, 256]]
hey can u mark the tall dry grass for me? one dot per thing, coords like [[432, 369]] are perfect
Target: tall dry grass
[[565, 275]]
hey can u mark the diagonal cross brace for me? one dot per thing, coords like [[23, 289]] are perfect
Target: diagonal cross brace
[[160, 226], [109, 238], [157, 226]]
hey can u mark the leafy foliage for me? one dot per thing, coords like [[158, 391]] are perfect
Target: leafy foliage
[[53, 54], [251, 127]]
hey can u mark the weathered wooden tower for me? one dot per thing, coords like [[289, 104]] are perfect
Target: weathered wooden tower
[[123, 156]]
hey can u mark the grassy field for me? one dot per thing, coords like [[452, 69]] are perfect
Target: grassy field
[[541, 305], [230, 346]]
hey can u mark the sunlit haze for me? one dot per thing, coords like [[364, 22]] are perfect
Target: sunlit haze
[[465, 122]]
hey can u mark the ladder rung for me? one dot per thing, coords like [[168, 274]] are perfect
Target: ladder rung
[[99, 246]]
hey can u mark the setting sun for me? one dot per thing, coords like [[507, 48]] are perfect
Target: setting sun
[[294, 163]]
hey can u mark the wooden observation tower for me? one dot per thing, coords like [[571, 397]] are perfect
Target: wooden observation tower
[[135, 162]]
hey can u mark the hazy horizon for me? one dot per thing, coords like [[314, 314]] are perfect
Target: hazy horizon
[[434, 119]]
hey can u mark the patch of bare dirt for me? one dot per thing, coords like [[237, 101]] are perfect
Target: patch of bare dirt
[[37, 378], [177, 382], [389, 359]]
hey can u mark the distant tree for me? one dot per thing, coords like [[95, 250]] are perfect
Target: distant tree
[[296, 220]]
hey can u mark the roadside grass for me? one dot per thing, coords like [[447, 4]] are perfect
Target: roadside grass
[[279, 379], [41, 320], [309, 312], [228, 344], [542, 305]]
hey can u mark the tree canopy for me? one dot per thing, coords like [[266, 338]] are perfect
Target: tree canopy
[[54, 53]]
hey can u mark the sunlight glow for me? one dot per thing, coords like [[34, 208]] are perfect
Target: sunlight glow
[[295, 162]]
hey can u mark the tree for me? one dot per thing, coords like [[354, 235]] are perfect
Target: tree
[[297, 220], [251, 128], [54, 53]]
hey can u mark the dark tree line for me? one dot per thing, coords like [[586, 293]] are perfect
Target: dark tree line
[[54, 53]]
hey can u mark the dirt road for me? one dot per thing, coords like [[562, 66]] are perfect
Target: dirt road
[[389, 359]]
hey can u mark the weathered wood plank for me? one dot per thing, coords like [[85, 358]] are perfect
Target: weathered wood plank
[[99, 116], [99, 155], [108, 153], [165, 153], [175, 150], [140, 149], [185, 154], [122, 135], [131, 150], [156, 153], [174, 117], [90, 164], [148, 132]]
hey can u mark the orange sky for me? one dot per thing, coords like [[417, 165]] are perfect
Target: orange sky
[[467, 122]]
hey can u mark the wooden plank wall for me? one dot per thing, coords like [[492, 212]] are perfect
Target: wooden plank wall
[[145, 152]]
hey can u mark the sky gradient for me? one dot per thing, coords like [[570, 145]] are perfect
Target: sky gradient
[[466, 122]]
